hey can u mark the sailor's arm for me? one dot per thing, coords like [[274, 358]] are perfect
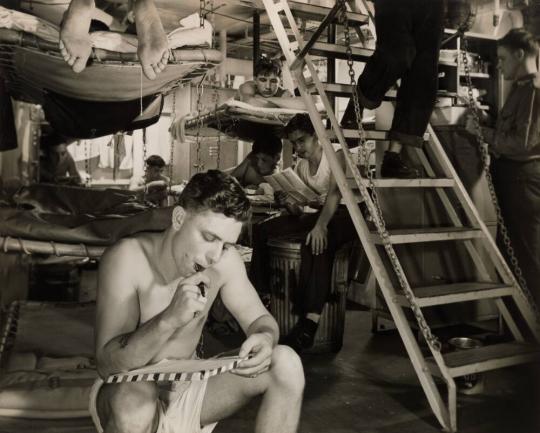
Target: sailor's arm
[[122, 345], [241, 299], [318, 236], [261, 329]]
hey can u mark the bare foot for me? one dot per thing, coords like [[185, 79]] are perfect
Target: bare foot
[[75, 43], [153, 50]]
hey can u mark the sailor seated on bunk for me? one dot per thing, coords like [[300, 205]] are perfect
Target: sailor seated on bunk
[[57, 165], [267, 84], [150, 307], [153, 185], [263, 160]]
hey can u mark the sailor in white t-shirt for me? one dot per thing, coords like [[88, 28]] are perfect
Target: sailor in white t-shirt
[[325, 231]]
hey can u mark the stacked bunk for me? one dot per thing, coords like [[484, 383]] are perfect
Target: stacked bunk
[[238, 119]]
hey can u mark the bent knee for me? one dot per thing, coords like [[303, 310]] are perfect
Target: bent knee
[[134, 406], [287, 368]]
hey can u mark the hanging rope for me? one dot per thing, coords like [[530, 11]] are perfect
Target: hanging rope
[[485, 158]]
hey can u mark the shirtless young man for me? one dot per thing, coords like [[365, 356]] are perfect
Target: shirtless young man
[[265, 85], [76, 45], [149, 308]]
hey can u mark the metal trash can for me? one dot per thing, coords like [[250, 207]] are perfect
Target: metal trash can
[[285, 267]]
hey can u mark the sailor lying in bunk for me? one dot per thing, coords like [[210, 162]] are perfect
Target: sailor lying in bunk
[[76, 44], [150, 308], [265, 85]]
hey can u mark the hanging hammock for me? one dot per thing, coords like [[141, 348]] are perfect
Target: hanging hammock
[[32, 64]]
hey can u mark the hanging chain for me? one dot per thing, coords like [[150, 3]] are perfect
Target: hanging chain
[[171, 151], [87, 164], [201, 13], [198, 164], [484, 156], [376, 211], [217, 85], [218, 121], [145, 189]]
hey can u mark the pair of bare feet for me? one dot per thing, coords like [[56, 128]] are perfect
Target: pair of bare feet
[[76, 45]]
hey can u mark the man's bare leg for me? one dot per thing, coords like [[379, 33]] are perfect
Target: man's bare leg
[[75, 43], [281, 389], [128, 407], [153, 50]]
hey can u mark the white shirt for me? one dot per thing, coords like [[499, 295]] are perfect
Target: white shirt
[[320, 181]]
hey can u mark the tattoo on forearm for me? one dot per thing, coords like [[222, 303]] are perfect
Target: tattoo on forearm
[[124, 340]]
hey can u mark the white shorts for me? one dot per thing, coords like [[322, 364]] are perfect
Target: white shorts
[[180, 414]]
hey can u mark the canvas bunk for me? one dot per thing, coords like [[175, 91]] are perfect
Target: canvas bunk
[[238, 119], [32, 63], [74, 221]]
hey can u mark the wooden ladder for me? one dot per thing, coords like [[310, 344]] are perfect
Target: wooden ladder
[[386, 267]]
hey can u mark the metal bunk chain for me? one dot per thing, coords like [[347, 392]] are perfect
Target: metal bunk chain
[[376, 213], [87, 164], [171, 151], [216, 91], [218, 144], [484, 156], [201, 12], [198, 163]]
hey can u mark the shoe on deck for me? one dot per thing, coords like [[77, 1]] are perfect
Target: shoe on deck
[[301, 336]]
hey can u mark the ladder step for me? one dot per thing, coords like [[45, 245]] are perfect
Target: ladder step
[[431, 234], [463, 362], [339, 51], [353, 133], [408, 183], [316, 13], [370, 134], [458, 292], [345, 90], [309, 11], [332, 16]]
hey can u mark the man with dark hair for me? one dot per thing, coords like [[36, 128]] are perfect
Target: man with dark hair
[[261, 161], [153, 185], [514, 144], [57, 164], [325, 231], [267, 84], [150, 307], [409, 34]]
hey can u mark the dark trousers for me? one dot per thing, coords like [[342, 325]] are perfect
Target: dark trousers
[[517, 185], [409, 36], [315, 270]]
